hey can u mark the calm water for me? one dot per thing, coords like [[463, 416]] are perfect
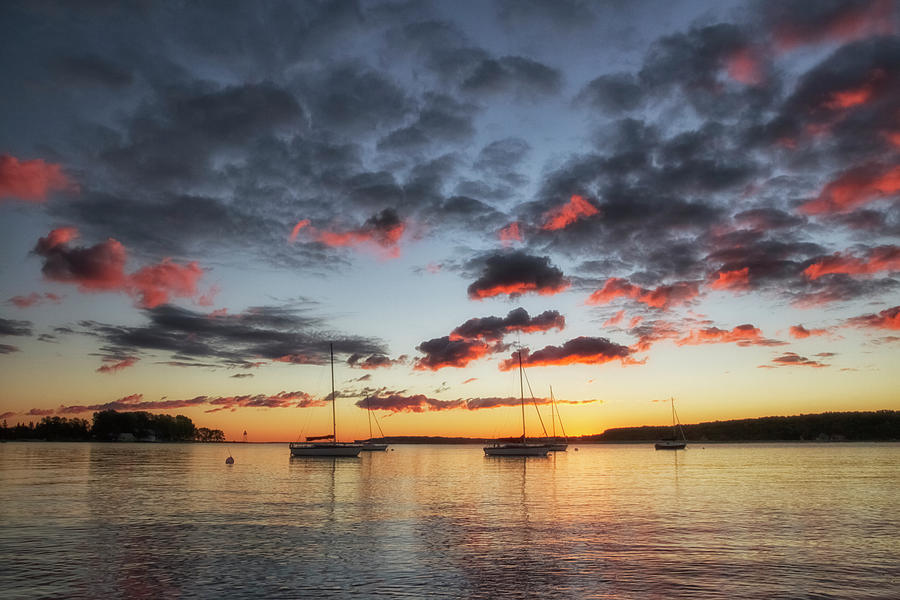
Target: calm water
[[724, 521]]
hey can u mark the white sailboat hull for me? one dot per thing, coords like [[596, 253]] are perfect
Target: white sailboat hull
[[555, 444], [373, 446], [327, 449], [670, 445], [517, 450]]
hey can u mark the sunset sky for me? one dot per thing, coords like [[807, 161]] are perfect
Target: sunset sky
[[698, 200]]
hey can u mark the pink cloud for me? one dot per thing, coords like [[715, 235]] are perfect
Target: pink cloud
[[101, 267], [30, 180]]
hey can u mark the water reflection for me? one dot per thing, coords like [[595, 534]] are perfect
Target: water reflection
[[167, 521]]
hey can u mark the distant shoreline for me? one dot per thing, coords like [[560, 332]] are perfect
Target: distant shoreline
[[835, 427]]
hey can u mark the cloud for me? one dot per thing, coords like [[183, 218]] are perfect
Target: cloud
[[136, 402], [515, 74], [91, 70], [296, 230], [648, 333], [793, 25], [791, 359], [416, 404], [374, 361], [264, 333], [738, 279], [613, 93], [30, 180], [40, 412], [839, 287], [563, 216], [384, 230], [155, 283], [420, 403], [102, 268], [34, 299], [880, 258], [8, 349], [446, 352], [854, 188], [510, 234], [742, 335], [516, 273], [661, 297], [889, 318], [583, 350], [113, 366], [354, 99], [14, 327], [493, 329], [442, 119], [615, 319], [745, 66], [800, 332]]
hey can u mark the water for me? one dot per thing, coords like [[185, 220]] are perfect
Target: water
[[724, 521]]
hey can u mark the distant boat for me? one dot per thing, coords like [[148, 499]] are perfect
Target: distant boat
[[314, 447], [522, 448], [557, 444], [673, 443], [370, 445]]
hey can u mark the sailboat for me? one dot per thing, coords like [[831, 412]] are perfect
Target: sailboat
[[522, 448], [315, 446], [370, 445], [557, 444], [673, 443]]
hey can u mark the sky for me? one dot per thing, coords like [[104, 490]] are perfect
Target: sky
[[643, 200]]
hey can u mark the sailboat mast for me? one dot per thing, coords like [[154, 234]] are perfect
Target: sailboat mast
[[333, 425], [672, 400], [369, 410], [522, 396], [552, 420]]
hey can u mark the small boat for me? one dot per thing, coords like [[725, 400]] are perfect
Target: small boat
[[557, 444], [371, 445], [673, 443], [522, 448], [315, 446]]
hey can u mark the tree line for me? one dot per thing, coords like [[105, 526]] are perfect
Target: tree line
[[881, 425], [111, 425]]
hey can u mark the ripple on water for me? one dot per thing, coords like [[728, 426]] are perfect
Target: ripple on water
[[171, 521]]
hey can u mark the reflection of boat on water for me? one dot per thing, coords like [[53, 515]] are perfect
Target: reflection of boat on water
[[522, 448], [314, 446], [673, 443], [372, 444]]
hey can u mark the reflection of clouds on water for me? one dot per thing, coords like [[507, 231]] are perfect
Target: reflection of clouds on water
[[170, 520]]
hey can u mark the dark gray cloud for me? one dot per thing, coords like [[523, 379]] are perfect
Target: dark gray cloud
[[513, 74], [515, 273], [612, 93], [266, 333], [563, 13], [354, 99], [442, 119], [446, 352], [14, 327], [91, 70], [495, 328]]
